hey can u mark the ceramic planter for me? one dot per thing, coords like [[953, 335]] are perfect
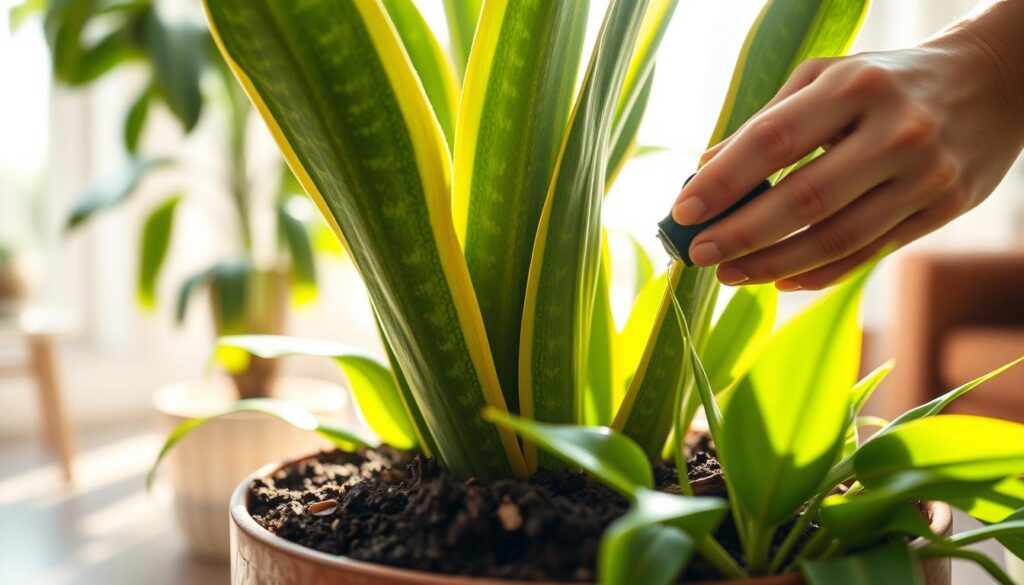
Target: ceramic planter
[[204, 468], [261, 558]]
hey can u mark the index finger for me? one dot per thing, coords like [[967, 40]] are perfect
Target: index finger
[[774, 139]]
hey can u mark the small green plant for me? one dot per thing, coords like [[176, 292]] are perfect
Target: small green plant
[[473, 212], [89, 39]]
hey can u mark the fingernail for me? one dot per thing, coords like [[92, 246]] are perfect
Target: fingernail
[[706, 254], [731, 276], [689, 211], [787, 286]]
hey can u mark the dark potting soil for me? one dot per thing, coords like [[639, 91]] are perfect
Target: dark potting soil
[[383, 507]]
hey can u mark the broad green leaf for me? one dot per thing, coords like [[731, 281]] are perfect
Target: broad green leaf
[[957, 447], [655, 539], [290, 412], [109, 191], [563, 269], [648, 408], [371, 382], [785, 422], [996, 503], [600, 451], [600, 386], [355, 126], [634, 552], [937, 405], [135, 120], [462, 18], [432, 66], [156, 238], [739, 334], [862, 390], [629, 346], [515, 102], [175, 50], [885, 565], [785, 34], [295, 238]]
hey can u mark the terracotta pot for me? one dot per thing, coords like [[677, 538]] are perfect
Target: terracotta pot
[[204, 468], [261, 558]]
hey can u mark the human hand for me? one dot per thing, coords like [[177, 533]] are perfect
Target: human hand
[[913, 139]]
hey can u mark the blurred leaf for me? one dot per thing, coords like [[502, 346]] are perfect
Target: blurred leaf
[[862, 390], [885, 565], [23, 10], [957, 447], [644, 267], [994, 504], [193, 282], [977, 557], [156, 238], [111, 190], [740, 334], [600, 451], [431, 64], [1008, 528], [370, 381], [655, 539], [785, 422], [290, 412], [176, 52], [295, 237], [462, 18], [231, 288], [136, 120]]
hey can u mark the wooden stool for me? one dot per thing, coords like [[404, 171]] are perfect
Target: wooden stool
[[39, 330]]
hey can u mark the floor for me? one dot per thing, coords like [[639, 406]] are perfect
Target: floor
[[109, 531]]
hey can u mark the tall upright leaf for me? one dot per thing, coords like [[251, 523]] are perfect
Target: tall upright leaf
[[784, 424], [515, 103], [338, 92], [786, 33], [563, 269], [599, 398], [156, 238], [462, 18]]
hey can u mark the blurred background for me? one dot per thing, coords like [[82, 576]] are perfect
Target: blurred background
[[144, 209]]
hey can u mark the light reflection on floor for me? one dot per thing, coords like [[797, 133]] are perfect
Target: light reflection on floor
[[109, 531]]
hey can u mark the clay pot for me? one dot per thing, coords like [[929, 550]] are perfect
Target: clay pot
[[204, 468], [261, 558]]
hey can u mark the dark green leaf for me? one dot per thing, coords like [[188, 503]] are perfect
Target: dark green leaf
[[295, 237], [136, 120], [886, 565], [176, 52], [156, 238], [112, 190]]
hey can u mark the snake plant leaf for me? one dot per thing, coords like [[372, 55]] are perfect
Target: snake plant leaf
[[600, 451], [175, 50], [600, 385], [156, 239], [960, 447], [433, 67], [633, 552], [296, 241], [629, 345], [891, 563], [371, 382], [340, 95], [508, 139], [424, 438], [563, 269], [643, 265], [785, 422], [136, 119], [108, 191], [785, 34], [647, 410], [653, 541], [624, 138], [739, 334], [462, 16], [289, 411]]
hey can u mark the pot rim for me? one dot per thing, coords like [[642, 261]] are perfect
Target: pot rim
[[941, 522]]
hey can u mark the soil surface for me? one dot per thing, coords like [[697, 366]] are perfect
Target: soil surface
[[384, 507]]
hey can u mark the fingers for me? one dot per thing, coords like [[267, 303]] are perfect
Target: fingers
[[855, 227], [780, 136], [910, 229], [805, 197]]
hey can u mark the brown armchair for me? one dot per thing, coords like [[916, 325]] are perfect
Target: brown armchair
[[959, 315]]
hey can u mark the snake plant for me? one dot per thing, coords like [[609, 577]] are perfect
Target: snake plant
[[471, 206]]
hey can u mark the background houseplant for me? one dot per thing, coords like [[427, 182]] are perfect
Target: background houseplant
[[486, 274]]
